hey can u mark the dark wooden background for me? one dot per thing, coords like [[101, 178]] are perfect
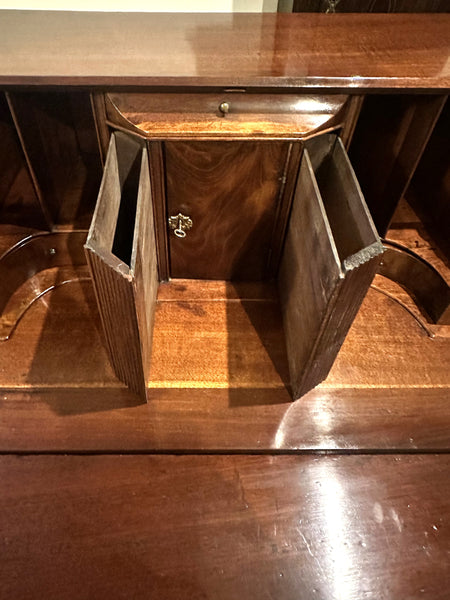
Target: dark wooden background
[[404, 6]]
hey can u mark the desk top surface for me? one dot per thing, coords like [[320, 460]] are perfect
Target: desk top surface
[[297, 51]]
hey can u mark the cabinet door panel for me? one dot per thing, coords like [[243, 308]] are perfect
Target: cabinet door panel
[[121, 254], [231, 191], [330, 256]]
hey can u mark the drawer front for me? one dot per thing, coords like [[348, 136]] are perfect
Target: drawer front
[[225, 114]]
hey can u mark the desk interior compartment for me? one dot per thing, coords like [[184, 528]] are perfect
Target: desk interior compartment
[[329, 260]]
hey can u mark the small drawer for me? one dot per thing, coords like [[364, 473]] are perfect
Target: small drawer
[[227, 114]]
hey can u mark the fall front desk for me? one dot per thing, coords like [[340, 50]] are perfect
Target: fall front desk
[[211, 199]]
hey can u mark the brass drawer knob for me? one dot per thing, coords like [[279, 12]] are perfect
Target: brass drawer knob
[[180, 224], [224, 108]]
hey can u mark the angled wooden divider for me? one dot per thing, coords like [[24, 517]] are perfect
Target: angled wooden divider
[[330, 257], [121, 254]]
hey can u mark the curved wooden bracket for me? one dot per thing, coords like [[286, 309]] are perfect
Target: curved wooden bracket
[[421, 280], [27, 272]]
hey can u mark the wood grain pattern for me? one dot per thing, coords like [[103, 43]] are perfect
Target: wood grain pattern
[[158, 180], [198, 116], [101, 128], [351, 119], [389, 139], [102, 419], [221, 527], [121, 254], [419, 235], [289, 183], [281, 50], [209, 527], [330, 258], [231, 191], [418, 231], [143, 265], [388, 388], [116, 304]]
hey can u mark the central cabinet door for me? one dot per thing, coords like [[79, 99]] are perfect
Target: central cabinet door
[[232, 192]]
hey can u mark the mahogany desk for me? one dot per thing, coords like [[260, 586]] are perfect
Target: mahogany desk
[[221, 486]]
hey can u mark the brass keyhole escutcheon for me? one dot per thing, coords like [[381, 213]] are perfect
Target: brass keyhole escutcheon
[[180, 224]]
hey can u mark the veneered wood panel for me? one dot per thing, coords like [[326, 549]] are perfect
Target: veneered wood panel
[[225, 527], [304, 297], [121, 254], [101, 128], [328, 263], [231, 191], [289, 182], [347, 51], [199, 115]]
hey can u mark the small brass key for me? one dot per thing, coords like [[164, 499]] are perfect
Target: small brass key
[[180, 224]]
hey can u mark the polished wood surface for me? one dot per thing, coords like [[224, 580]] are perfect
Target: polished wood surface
[[232, 191], [144, 267], [348, 51], [336, 496], [223, 527], [223, 386], [252, 116], [114, 421]]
